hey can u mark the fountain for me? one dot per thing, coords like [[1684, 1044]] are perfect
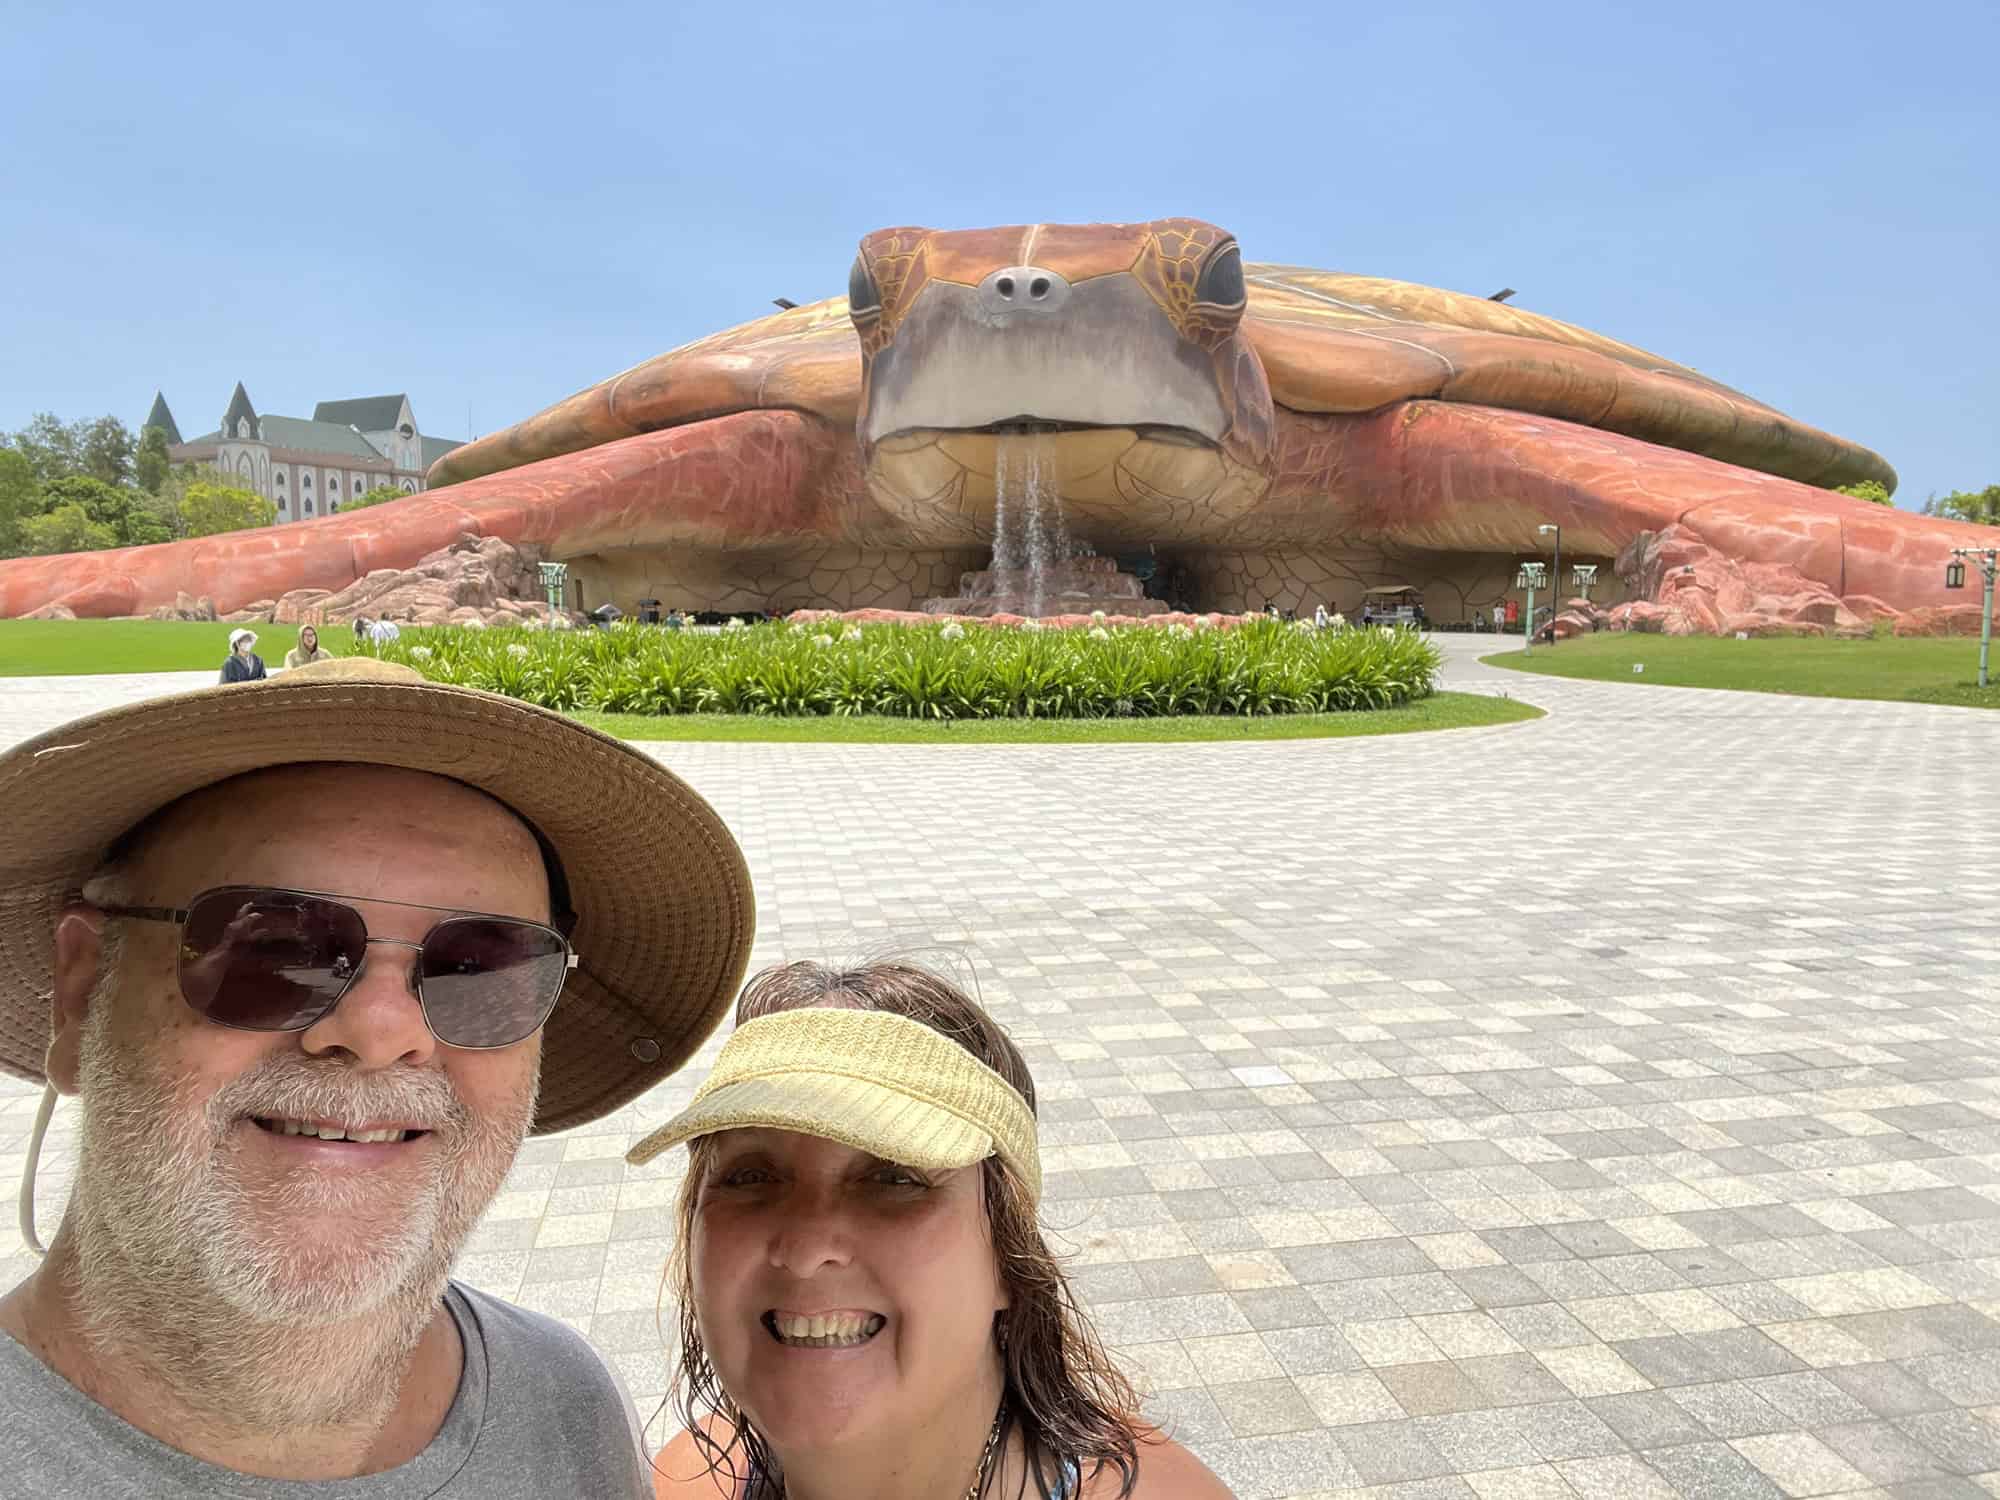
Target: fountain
[[1037, 569]]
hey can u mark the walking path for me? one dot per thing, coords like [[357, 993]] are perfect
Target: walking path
[[1602, 1105]]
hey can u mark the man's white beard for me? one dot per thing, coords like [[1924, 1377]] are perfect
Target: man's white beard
[[190, 1269]]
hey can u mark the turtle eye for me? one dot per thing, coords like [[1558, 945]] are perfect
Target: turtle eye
[[863, 297], [1221, 281]]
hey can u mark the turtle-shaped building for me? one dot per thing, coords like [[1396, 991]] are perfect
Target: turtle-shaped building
[[1265, 434]]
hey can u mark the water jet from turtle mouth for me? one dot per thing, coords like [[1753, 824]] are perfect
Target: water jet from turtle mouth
[[1030, 536]]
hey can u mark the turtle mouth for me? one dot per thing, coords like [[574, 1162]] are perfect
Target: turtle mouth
[[1034, 427]]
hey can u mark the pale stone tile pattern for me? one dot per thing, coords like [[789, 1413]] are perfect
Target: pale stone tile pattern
[[1608, 1105]]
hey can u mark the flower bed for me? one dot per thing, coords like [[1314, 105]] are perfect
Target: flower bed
[[936, 671]]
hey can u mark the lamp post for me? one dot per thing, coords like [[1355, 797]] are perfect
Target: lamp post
[[555, 577], [1556, 572], [1584, 576], [1954, 578], [1529, 578]]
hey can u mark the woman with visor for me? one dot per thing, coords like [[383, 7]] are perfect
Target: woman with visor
[[868, 1308]]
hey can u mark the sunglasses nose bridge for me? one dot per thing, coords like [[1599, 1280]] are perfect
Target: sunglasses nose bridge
[[409, 969]]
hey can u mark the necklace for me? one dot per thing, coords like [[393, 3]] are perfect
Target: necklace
[[986, 1456]]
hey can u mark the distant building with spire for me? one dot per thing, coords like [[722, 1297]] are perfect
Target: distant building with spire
[[310, 466]]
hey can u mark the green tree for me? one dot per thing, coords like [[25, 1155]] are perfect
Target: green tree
[[1982, 507], [20, 500], [124, 510], [67, 528], [103, 449], [210, 508], [151, 463], [1871, 490], [381, 494]]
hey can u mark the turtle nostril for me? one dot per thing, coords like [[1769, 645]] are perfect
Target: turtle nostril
[[1004, 286], [1039, 287]]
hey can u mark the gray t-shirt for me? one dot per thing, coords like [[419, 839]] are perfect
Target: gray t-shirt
[[537, 1416]]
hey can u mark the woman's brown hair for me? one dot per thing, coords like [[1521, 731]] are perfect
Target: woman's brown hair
[[1068, 1400]]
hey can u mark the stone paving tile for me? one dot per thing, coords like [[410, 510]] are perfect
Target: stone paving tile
[[1602, 1106]]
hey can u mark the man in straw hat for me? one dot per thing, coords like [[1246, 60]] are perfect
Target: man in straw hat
[[315, 954]]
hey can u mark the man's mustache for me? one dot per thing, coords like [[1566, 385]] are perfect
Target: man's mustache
[[283, 1088]]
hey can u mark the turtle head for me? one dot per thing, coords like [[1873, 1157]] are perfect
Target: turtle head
[[1114, 350]]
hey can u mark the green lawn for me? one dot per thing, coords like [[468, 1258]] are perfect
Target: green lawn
[[36, 648], [53, 648], [1441, 711], [1909, 671]]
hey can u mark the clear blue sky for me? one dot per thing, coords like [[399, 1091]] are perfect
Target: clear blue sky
[[490, 206]]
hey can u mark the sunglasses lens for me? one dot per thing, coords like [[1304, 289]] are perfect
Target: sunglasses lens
[[268, 960], [488, 982]]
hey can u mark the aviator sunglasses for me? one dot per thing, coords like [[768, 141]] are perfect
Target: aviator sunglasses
[[262, 958]]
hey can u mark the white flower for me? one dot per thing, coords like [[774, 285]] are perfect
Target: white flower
[[852, 633], [1304, 625], [1338, 622], [1388, 632], [1097, 615], [1203, 622], [734, 622], [952, 631], [1031, 624], [475, 623], [822, 640], [1099, 633], [421, 653], [518, 651], [1179, 631]]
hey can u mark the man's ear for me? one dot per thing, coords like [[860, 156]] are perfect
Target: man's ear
[[79, 942]]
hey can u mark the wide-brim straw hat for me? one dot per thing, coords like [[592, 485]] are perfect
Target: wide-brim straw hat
[[664, 911]]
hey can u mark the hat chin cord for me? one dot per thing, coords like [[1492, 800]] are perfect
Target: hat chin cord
[[42, 1118]]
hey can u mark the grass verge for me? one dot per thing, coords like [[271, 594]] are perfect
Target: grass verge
[[1440, 711], [76, 648], [1916, 670]]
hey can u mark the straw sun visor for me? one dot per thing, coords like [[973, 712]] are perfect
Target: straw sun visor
[[875, 1081]]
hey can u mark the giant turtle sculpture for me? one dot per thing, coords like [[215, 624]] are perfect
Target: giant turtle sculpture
[[1273, 433]]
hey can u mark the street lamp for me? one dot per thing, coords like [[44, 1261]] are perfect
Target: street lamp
[[1555, 573], [1584, 576], [1530, 578], [555, 578], [1954, 578]]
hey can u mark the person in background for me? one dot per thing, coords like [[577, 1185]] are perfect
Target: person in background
[[308, 649], [361, 630], [1320, 617], [242, 663], [381, 632]]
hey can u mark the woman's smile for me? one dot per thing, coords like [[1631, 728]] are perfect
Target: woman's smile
[[830, 1330]]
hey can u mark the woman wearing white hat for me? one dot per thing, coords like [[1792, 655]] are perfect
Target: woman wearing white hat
[[868, 1307], [243, 664]]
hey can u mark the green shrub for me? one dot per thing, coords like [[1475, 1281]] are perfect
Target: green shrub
[[939, 672]]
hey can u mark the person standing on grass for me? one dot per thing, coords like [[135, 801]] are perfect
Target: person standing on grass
[[242, 663], [308, 650]]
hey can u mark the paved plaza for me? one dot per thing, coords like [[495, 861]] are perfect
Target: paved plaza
[[1606, 1105]]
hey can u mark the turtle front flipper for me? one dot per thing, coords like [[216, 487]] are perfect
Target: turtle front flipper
[[1338, 343], [754, 480], [804, 359], [1452, 478]]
